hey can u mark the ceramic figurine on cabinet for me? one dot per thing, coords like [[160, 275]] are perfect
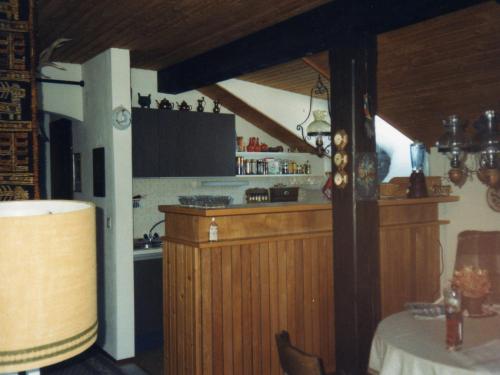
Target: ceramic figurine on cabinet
[[183, 106], [144, 101], [165, 104], [216, 106], [201, 104]]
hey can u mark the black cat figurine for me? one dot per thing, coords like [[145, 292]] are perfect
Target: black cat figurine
[[144, 101]]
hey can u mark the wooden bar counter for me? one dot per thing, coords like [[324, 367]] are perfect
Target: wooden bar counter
[[270, 270]]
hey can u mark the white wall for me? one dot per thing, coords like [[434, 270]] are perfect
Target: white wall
[[470, 212], [107, 85], [286, 108], [62, 99], [397, 146], [144, 82]]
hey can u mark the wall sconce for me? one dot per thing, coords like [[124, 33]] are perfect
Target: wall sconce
[[456, 145], [319, 127]]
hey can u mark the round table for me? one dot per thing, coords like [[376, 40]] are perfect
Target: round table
[[405, 345]]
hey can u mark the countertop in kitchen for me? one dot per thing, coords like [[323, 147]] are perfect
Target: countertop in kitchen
[[145, 254], [248, 209]]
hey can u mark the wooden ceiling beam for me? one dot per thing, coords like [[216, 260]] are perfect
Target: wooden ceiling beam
[[323, 70], [257, 118], [310, 32]]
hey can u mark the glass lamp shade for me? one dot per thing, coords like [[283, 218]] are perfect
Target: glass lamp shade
[[319, 127], [488, 140], [454, 136], [417, 155], [48, 282]]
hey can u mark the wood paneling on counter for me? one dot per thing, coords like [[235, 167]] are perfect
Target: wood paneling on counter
[[195, 228], [410, 251], [224, 304]]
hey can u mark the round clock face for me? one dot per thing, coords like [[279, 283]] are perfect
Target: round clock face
[[340, 179], [340, 139], [493, 199], [340, 159]]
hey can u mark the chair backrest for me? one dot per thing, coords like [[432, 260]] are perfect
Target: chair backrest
[[294, 361], [481, 249]]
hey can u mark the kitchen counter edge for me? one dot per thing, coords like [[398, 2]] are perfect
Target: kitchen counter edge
[[246, 209]]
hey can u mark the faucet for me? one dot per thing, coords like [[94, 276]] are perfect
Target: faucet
[[149, 236]]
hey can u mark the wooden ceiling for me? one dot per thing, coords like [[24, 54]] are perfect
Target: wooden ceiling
[[297, 76], [158, 33], [426, 72], [446, 65]]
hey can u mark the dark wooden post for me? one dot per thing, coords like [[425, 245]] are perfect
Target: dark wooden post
[[355, 210]]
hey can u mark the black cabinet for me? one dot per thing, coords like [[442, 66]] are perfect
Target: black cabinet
[[148, 304], [182, 144]]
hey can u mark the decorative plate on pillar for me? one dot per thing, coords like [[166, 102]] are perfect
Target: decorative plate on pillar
[[366, 176], [493, 199]]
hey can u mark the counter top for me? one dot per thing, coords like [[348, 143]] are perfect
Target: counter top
[[146, 254], [263, 208], [247, 209]]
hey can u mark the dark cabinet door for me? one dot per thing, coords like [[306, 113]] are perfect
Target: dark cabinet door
[[169, 162], [145, 142], [208, 144], [183, 144]]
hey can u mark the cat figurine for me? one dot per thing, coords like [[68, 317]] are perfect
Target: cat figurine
[[144, 101]]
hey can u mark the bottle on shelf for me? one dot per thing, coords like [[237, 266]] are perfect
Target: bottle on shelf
[[213, 231]]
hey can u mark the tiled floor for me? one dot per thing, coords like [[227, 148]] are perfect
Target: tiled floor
[[132, 369], [150, 361]]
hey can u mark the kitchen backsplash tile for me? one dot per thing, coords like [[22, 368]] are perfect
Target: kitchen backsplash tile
[[158, 191]]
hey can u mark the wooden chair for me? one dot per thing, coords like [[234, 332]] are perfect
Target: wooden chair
[[481, 249], [294, 361]]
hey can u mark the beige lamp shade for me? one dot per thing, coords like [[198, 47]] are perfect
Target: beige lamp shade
[[48, 304]]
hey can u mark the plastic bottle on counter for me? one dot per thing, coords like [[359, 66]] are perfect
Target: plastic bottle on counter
[[213, 231]]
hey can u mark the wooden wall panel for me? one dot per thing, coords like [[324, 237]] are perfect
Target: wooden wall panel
[[409, 265], [427, 262], [396, 269], [248, 293]]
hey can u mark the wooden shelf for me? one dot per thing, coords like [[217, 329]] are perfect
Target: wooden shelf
[[278, 175], [259, 155]]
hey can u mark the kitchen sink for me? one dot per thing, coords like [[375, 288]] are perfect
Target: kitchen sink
[[142, 244]]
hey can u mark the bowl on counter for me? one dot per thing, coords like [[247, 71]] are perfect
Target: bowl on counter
[[205, 201]]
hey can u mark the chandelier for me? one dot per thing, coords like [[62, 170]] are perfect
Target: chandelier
[[319, 127], [456, 144]]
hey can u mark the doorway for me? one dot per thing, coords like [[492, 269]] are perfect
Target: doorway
[[61, 159]]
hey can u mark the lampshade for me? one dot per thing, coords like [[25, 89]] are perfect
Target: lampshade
[[48, 304], [488, 140], [318, 126], [454, 142]]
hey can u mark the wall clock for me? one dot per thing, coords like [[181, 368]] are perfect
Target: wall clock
[[493, 199]]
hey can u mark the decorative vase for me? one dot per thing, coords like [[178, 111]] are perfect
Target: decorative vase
[[473, 305]]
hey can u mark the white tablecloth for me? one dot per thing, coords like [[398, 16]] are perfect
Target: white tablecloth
[[405, 345]]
